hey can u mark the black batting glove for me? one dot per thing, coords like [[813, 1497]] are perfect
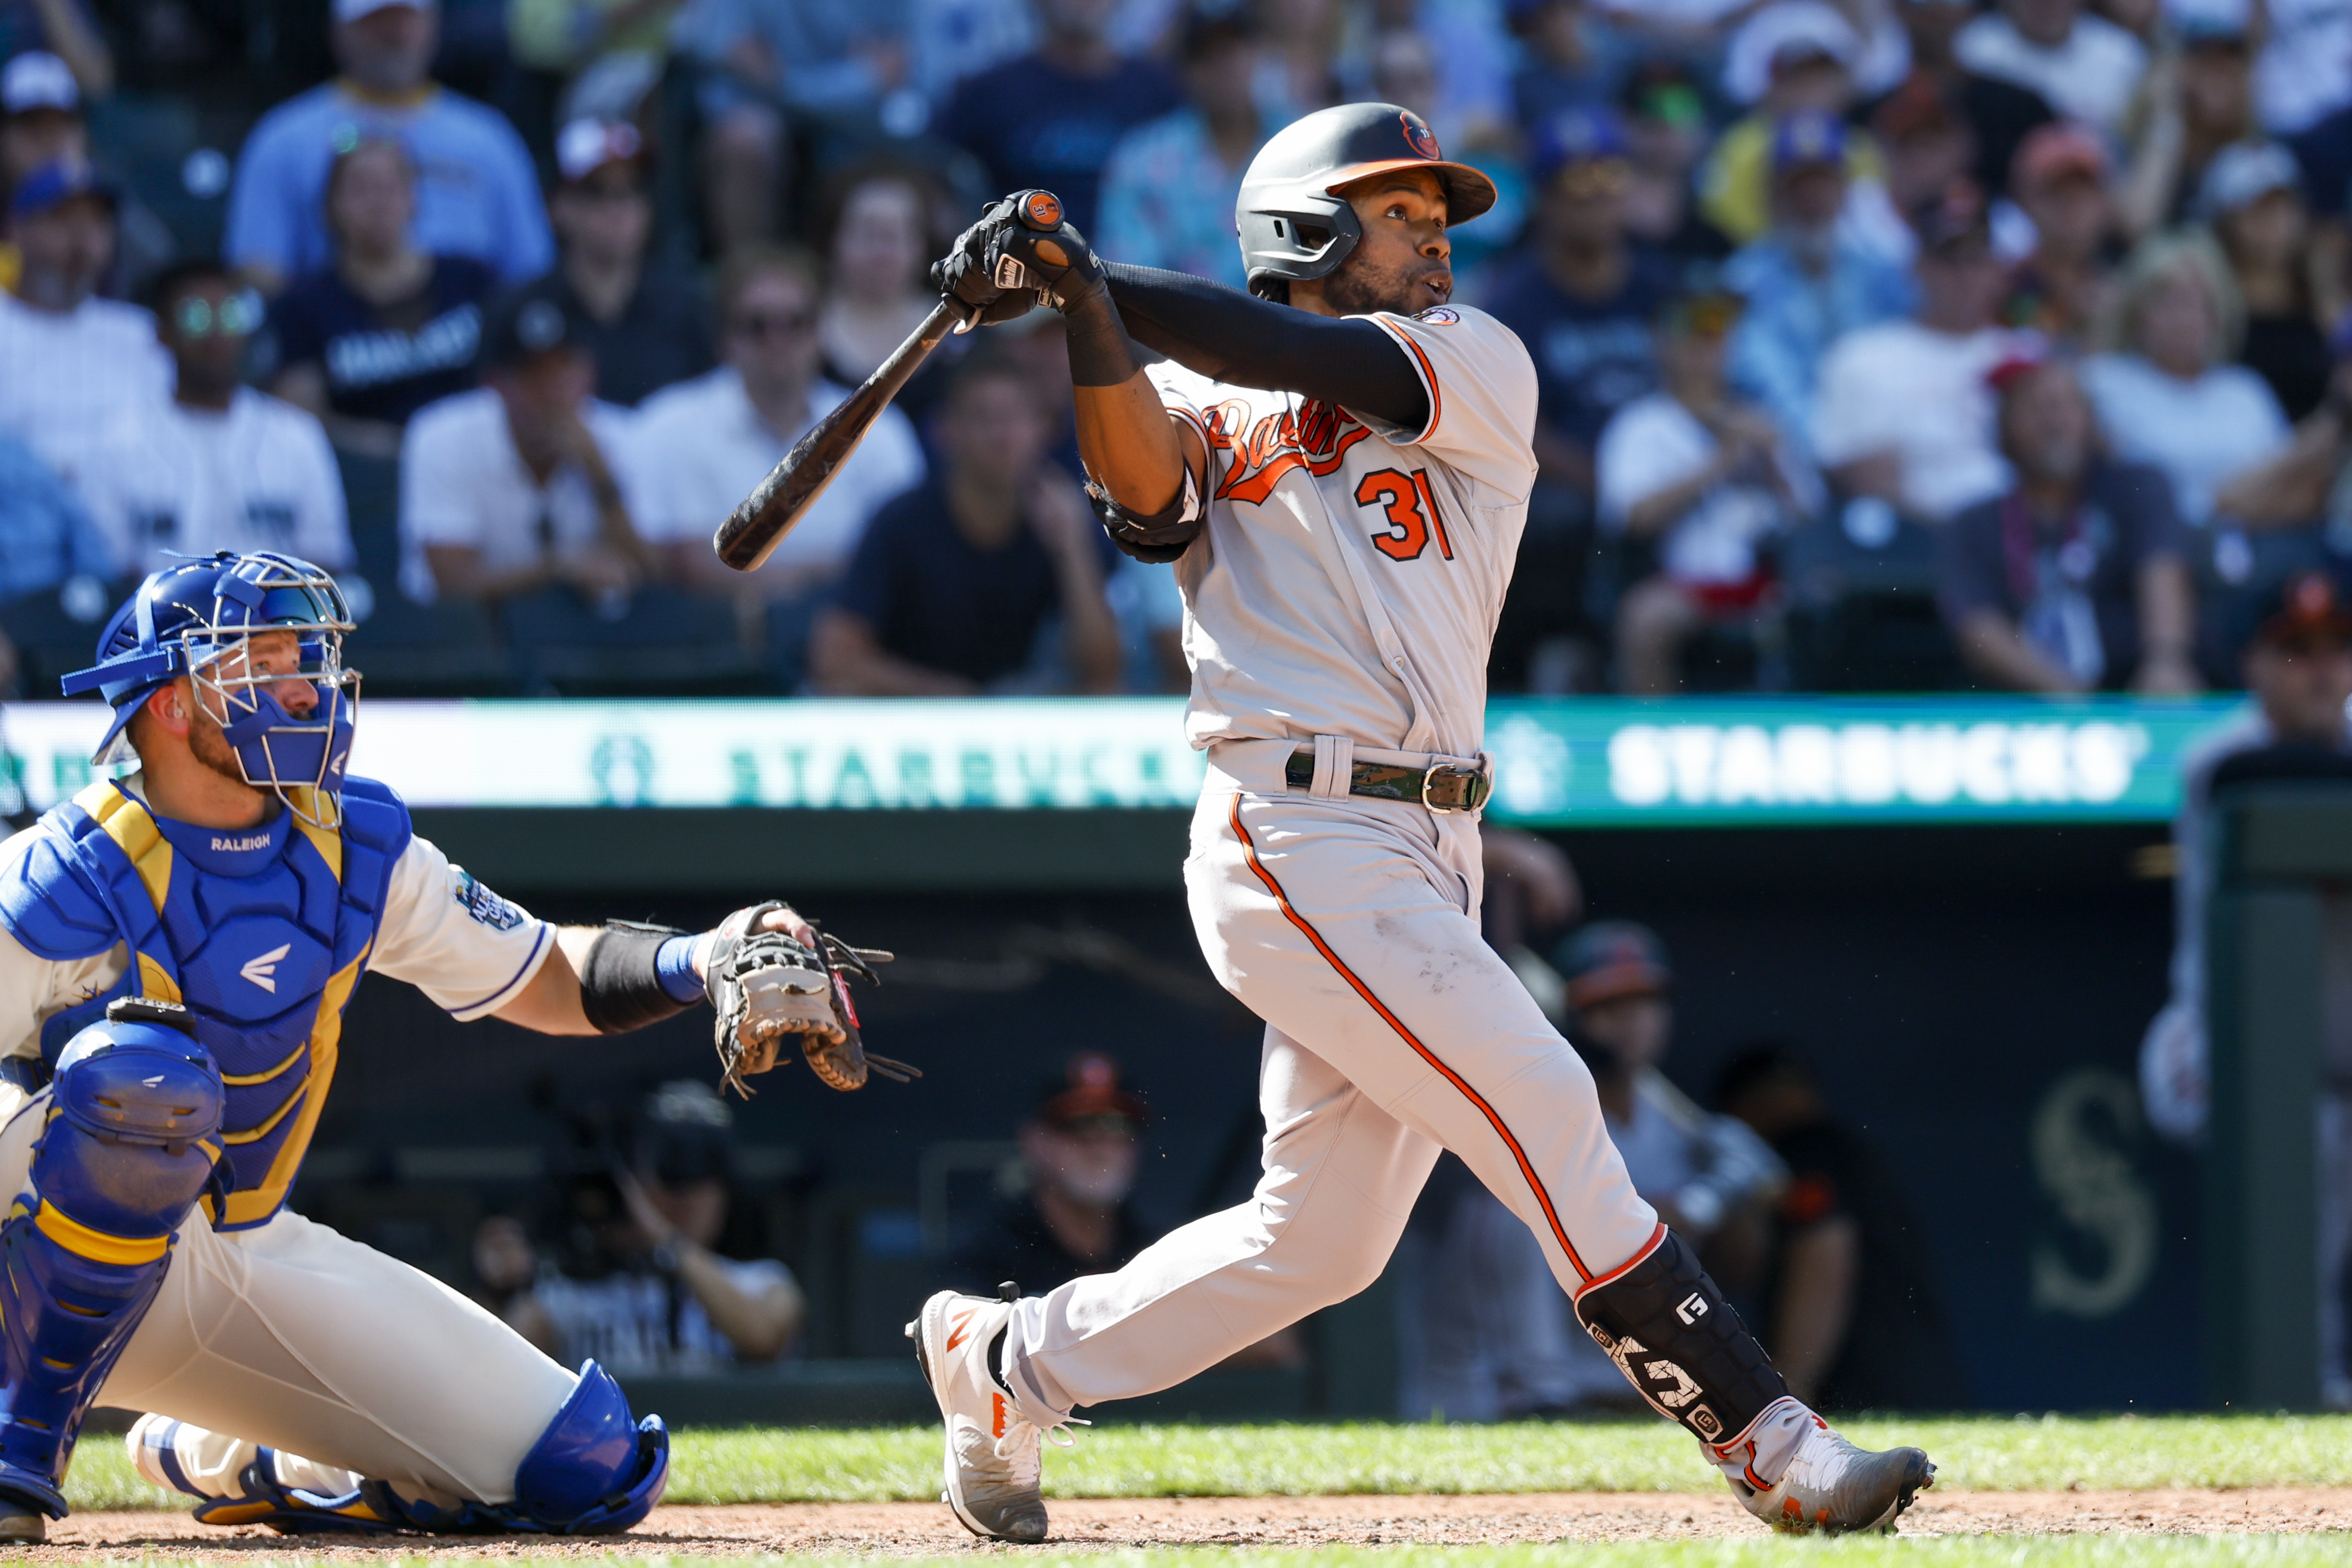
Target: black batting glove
[[1033, 246], [967, 273]]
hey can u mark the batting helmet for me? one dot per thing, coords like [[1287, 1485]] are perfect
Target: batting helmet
[[1293, 227]]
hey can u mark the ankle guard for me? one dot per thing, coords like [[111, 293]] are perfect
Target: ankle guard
[[130, 1142], [1679, 1343]]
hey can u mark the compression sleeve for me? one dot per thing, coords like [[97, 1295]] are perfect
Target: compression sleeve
[[1227, 335]]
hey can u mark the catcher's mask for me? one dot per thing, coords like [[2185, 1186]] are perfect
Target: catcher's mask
[[198, 619]]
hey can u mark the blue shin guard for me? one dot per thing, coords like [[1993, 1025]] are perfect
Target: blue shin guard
[[128, 1145]]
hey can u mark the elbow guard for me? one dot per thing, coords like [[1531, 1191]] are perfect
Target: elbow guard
[[1159, 537]]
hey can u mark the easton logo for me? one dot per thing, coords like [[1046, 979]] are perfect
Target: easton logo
[[1417, 137], [261, 969]]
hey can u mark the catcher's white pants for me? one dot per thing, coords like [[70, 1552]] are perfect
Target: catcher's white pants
[[1349, 925], [291, 1335]]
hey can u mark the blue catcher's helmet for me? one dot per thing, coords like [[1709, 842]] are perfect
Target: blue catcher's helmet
[[193, 620]]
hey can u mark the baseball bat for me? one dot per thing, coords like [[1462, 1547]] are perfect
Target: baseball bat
[[760, 520]]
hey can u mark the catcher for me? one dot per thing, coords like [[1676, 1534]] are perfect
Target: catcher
[[176, 951]]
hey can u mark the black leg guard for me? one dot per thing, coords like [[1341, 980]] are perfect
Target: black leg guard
[[1680, 1344]]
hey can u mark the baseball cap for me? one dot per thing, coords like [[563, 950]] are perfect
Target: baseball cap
[[56, 183], [2242, 174], [2208, 22], [2026, 353], [584, 146], [352, 10], [685, 1134], [1809, 136], [38, 79], [1916, 108], [1574, 136], [1782, 35], [1090, 1093], [531, 320], [2052, 152], [1610, 959], [2304, 606]]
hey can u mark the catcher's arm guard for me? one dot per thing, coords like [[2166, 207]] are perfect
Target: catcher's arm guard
[[766, 984]]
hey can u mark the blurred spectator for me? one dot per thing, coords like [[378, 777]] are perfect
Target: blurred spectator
[[621, 39], [527, 482], [2199, 100], [2084, 66], [2001, 113], [1300, 44], [646, 327], [832, 62], [1708, 1176], [951, 39], [45, 540], [74, 360], [2060, 289], [2304, 481], [954, 582], [1850, 1314], [2075, 578], [2303, 77], [1569, 58], [1807, 286], [1081, 1147], [1664, 116], [709, 441], [1903, 412], [1927, 144], [1051, 118], [41, 121], [649, 1293], [1581, 298], [476, 193], [2166, 392], [1703, 477], [878, 267], [65, 29], [1811, 74], [1469, 98], [386, 328], [2252, 197], [219, 466], [1878, 58], [1170, 189]]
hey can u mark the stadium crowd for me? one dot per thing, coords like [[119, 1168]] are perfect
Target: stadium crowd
[[1882, 344]]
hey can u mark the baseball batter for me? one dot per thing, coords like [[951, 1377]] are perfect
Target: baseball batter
[[176, 951], [1340, 469]]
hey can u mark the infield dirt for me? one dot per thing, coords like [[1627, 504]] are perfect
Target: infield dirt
[[925, 1530]]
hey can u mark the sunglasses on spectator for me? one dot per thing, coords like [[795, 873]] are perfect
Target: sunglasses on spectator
[[762, 324], [1600, 177], [238, 316]]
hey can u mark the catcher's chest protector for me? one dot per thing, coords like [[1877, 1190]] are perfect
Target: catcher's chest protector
[[261, 935]]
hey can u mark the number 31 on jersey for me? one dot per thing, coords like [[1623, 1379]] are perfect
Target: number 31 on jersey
[[1409, 511]]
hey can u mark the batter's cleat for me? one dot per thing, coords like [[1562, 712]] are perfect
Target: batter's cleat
[[994, 1454], [22, 1526], [1832, 1488]]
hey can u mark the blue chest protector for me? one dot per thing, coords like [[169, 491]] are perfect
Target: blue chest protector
[[261, 935]]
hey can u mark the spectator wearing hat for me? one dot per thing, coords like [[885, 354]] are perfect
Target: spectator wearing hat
[[2076, 577], [528, 481], [709, 440], [218, 466], [65, 30], [366, 341], [41, 122], [2297, 668], [1664, 111], [646, 327], [1927, 144], [2198, 100], [2060, 288], [1903, 412], [1807, 284], [642, 1284], [2253, 197], [2166, 389], [1171, 186], [476, 193], [1569, 58], [1706, 480], [2000, 114], [1080, 1148], [1710, 1176], [1811, 56], [74, 362], [2082, 64]]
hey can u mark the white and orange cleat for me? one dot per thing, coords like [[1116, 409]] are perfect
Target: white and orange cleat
[[994, 1454], [1833, 1487]]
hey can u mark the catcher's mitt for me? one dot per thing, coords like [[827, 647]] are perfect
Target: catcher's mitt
[[767, 984]]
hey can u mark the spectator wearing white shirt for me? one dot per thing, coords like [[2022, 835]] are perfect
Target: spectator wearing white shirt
[[709, 440], [70, 361], [1903, 412], [528, 481], [1705, 478], [2165, 392], [216, 465], [2084, 66]]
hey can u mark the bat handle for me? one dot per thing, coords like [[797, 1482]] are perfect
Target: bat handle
[[1040, 210]]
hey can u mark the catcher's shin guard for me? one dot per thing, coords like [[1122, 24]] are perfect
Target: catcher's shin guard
[[1680, 1344], [129, 1144]]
